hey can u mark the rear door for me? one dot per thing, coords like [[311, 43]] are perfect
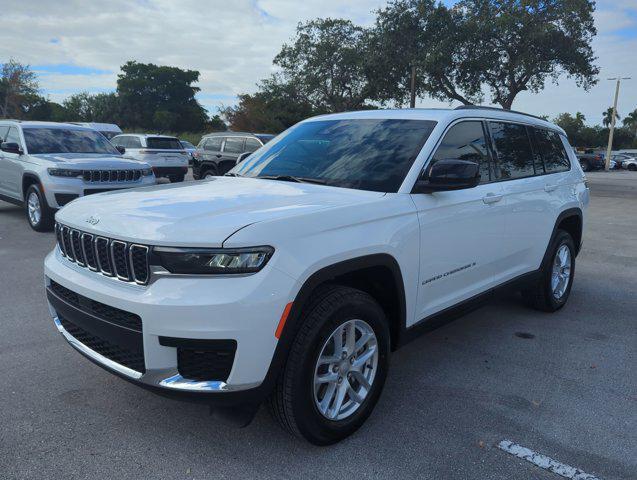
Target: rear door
[[211, 150], [459, 230], [11, 166], [232, 148], [530, 217]]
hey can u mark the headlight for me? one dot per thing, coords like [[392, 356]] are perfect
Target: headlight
[[64, 172], [147, 172], [214, 260]]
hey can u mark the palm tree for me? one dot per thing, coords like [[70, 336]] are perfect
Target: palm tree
[[608, 115], [630, 121]]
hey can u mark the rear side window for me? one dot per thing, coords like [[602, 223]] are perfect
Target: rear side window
[[514, 156], [134, 142], [252, 144], [213, 144], [163, 143], [551, 149], [465, 141], [233, 145]]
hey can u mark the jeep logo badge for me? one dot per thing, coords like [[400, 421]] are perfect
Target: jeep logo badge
[[93, 220]]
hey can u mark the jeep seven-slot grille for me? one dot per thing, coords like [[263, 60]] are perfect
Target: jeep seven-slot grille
[[114, 258], [111, 175]]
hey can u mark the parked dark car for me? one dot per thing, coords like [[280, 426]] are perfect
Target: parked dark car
[[591, 161], [218, 152]]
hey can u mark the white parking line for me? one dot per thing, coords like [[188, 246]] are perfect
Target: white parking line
[[545, 462]]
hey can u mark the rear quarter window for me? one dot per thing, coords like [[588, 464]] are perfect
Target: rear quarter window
[[551, 149]]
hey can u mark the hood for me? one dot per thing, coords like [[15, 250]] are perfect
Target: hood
[[202, 213], [87, 161]]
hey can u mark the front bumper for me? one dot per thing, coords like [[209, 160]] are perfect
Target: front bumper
[[245, 309], [60, 191]]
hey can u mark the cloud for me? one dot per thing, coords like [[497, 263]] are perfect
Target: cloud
[[76, 45]]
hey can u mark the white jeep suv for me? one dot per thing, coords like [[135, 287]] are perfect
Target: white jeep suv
[[166, 155], [294, 276], [44, 166]]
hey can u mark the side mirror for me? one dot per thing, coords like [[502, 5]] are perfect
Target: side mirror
[[448, 174], [243, 156], [120, 149], [11, 147]]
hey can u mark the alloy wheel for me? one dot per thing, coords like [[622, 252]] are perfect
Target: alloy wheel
[[345, 370], [34, 209], [561, 273]]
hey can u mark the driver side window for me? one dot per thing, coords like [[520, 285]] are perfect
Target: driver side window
[[465, 141]]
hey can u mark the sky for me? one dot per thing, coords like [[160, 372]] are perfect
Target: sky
[[76, 45]]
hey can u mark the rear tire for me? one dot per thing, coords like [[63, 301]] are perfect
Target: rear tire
[[39, 215], [632, 167], [176, 178], [208, 174], [552, 290], [304, 402]]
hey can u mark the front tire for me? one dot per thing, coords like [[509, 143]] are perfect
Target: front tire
[[39, 215], [336, 367], [556, 278]]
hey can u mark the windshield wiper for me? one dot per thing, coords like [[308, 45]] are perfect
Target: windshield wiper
[[232, 174], [291, 178]]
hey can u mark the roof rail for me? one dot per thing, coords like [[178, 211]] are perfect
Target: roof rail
[[10, 120], [496, 109]]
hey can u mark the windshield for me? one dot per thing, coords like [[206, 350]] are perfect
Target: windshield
[[366, 154], [63, 140], [164, 143], [186, 144]]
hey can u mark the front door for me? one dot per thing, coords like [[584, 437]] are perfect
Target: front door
[[459, 230]]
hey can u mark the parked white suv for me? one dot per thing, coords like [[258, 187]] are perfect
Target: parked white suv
[[293, 277], [165, 154], [44, 166]]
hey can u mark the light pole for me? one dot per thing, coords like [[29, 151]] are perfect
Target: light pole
[[612, 122]]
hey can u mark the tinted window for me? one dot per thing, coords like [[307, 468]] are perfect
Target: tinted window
[[265, 138], [213, 144], [551, 149], [233, 145], [62, 140], [465, 141], [13, 136], [514, 157], [252, 144], [163, 143], [367, 154]]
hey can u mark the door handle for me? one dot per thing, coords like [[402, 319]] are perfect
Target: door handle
[[549, 188], [491, 198]]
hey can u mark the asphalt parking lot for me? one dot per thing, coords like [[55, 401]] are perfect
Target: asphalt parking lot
[[564, 385]]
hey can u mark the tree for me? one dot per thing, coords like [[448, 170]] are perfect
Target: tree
[[326, 64], [216, 124], [630, 121], [572, 125], [503, 46], [18, 89], [45, 110], [276, 106], [607, 117], [524, 44], [144, 89], [431, 37]]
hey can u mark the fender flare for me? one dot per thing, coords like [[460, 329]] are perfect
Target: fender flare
[[569, 212], [322, 276]]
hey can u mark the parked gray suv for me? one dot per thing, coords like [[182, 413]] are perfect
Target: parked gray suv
[[218, 152], [45, 165]]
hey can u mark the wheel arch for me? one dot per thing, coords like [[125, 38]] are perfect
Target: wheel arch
[[29, 179], [367, 273], [572, 221]]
